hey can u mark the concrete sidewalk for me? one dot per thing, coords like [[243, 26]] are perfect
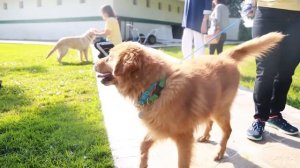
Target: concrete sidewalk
[[125, 132]]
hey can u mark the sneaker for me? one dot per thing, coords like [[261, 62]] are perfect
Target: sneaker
[[256, 130], [101, 55], [282, 125]]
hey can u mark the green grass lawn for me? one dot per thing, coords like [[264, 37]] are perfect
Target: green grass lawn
[[49, 113], [247, 69]]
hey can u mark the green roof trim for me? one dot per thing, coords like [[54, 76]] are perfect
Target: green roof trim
[[85, 19]]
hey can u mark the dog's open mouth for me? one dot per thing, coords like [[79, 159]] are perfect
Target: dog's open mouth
[[106, 77]]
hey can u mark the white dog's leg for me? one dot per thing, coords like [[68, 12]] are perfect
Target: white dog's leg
[[61, 53], [86, 55], [81, 55]]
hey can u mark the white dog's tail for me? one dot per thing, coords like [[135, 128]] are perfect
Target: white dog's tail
[[255, 47], [52, 51]]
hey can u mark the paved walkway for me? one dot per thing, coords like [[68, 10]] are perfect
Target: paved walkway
[[125, 132]]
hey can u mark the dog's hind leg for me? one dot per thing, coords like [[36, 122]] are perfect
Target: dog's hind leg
[[205, 137], [224, 122], [145, 146], [86, 55], [184, 144], [61, 53]]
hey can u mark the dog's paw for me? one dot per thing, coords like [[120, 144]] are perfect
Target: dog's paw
[[204, 138], [218, 157], [144, 161], [143, 165]]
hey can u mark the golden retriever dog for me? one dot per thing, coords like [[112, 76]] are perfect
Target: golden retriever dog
[[80, 43], [194, 92]]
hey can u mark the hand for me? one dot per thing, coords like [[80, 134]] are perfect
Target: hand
[[204, 25], [251, 14]]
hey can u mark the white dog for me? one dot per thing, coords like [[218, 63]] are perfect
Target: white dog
[[80, 43]]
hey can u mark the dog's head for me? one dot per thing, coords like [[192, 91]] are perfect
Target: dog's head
[[124, 63], [91, 34]]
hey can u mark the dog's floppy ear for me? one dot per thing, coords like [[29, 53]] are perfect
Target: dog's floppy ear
[[129, 62]]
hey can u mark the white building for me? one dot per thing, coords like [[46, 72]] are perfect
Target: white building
[[53, 19]]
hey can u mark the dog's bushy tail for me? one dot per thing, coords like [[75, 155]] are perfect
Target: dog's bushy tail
[[52, 51], [255, 47]]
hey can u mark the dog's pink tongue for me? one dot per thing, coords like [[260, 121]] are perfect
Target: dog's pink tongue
[[103, 75]]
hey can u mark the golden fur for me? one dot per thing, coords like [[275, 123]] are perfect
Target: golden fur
[[196, 91], [80, 43]]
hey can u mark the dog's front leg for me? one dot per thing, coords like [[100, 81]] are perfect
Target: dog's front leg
[[145, 146], [81, 55], [184, 144], [86, 55]]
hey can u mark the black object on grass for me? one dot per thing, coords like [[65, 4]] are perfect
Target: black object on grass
[[0, 84]]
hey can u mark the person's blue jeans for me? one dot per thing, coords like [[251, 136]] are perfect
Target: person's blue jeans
[[275, 70]]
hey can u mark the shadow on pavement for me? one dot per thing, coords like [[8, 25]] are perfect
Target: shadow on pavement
[[78, 64]]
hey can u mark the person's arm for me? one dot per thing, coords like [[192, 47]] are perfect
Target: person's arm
[[206, 13], [106, 31], [204, 25], [103, 32], [249, 8], [218, 14]]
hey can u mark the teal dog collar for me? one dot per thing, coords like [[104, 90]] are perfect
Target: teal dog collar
[[152, 93]]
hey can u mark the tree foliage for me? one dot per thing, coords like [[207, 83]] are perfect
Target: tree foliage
[[234, 8]]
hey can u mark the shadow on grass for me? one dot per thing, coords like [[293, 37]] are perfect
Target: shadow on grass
[[12, 97], [31, 69], [56, 135], [78, 64]]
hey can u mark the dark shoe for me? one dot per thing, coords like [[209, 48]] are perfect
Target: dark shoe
[[282, 125], [256, 130], [101, 55]]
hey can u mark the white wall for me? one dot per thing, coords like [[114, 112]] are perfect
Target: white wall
[[46, 31], [74, 9], [233, 32], [128, 9], [164, 31], [49, 10]]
